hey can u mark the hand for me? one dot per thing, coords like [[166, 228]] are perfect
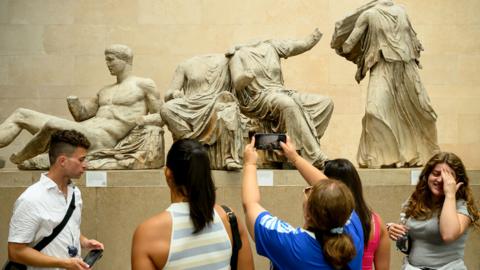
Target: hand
[[346, 47], [395, 230], [92, 244], [172, 94], [15, 159], [249, 75], [178, 94], [289, 150], [450, 185], [72, 101], [231, 51], [317, 35], [76, 264], [140, 121], [250, 153], [244, 79]]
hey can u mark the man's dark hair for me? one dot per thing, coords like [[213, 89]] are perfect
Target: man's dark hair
[[65, 142]]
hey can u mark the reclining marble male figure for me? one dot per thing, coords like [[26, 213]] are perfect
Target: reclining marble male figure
[[105, 119]]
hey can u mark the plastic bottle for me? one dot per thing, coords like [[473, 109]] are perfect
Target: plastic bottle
[[403, 241]]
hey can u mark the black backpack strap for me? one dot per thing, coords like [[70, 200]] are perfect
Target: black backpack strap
[[46, 240], [237, 241]]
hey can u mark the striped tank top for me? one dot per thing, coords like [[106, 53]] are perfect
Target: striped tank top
[[208, 249]]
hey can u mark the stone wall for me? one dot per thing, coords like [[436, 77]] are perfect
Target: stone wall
[[111, 214], [53, 48]]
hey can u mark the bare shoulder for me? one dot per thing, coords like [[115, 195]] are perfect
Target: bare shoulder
[[226, 221], [156, 227], [367, 14], [380, 220], [145, 83], [401, 6], [105, 88], [151, 242], [224, 217], [222, 213], [381, 223]]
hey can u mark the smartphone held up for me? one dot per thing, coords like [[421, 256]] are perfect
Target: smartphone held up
[[269, 141]]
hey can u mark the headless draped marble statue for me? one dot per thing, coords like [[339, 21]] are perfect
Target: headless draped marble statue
[[258, 81], [398, 129], [200, 105], [114, 122]]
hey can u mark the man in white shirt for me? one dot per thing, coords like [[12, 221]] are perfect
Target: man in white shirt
[[43, 205]]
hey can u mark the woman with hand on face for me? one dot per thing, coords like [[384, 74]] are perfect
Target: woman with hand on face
[[331, 236], [193, 232], [438, 215]]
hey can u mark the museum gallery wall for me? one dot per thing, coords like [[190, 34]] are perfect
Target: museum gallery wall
[[53, 49]]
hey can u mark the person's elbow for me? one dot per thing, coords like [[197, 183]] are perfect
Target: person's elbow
[[449, 237], [247, 205], [13, 251], [250, 199]]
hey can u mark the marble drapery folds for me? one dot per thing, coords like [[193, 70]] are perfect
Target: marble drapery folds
[[399, 126]]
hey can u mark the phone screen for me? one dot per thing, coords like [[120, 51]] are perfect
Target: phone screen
[[269, 141], [93, 256]]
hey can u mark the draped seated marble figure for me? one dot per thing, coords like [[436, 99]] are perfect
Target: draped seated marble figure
[[257, 77], [399, 127], [200, 105], [121, 122]]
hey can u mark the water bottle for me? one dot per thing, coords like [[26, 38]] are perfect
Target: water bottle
[[403, 242]]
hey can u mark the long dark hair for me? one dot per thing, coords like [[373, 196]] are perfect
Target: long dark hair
[[421, 204], [189, 163], [344, 171], [330, 205]]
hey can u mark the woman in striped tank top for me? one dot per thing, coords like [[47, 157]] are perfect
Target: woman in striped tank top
[[193, 232]]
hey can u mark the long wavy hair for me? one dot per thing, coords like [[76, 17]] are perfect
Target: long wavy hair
[[421, 204], [344, 171], [329, 206], [188, 160]]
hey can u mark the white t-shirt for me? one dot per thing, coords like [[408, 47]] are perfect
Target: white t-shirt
[[38, 210]]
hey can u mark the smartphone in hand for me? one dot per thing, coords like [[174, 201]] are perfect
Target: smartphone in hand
[[269, 141], [93, 256]]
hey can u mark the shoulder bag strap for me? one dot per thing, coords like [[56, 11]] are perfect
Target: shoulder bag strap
[[46, 240], [237, 242]]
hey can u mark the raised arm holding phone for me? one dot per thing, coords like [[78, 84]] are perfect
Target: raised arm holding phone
[[331, 236]]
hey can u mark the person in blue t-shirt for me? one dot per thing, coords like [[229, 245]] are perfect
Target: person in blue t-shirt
[[332, 235]]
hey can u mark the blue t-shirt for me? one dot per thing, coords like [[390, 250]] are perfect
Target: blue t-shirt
[[296, 248]]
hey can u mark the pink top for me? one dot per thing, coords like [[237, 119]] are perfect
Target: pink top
[[371, 248]]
